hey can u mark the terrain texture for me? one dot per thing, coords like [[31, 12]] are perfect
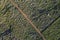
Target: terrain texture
[[29, 19]]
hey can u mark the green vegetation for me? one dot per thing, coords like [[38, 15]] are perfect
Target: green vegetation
[[53, 32], [41, 12]]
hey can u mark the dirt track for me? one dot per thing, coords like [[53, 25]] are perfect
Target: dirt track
[[26, 17]]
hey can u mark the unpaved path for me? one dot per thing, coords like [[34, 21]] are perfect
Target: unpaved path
[[26, 17]]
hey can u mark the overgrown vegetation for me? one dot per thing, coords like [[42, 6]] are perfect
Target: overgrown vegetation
[[41, 12]]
